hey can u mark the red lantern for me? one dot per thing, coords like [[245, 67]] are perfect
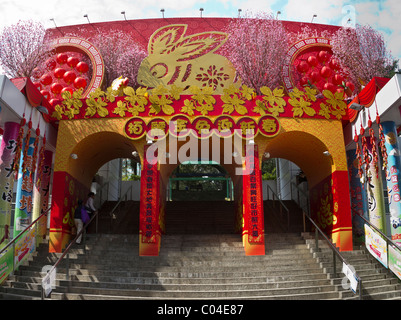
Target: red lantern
[[69, 76], [37, 73], [312, 60], [79, 83], [303, 81], [45, 94], [330, 86], [56, 88], [53, 102], [325, 72], [62, 58], [322, 56], [314, 75], [338, 79], [70, 90], [72, 61], [350, 85], [334, 64], [303, 67], [82, 67], [340, 90], [46, 79], [38, 85], [59, 73], [50, 64]]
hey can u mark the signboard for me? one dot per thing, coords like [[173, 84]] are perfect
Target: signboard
[[48, 282], [202, 127], [376, 245], [394, 260], [6, 264], [349, 272], [24, 247]]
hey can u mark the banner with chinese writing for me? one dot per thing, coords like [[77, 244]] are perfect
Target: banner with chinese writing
[[25, 246], [6, 263], [41, 190], [377, 210], [252, 196], [23, 201], [202, 127], [376, 245], [150, 204], [394, 260], [7, 155], [393, 179], [359, 200]]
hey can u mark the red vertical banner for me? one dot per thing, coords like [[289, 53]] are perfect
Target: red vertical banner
[[149, 206], [253, 203]]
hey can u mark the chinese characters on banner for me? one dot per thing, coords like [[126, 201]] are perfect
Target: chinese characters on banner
[[358, 196], [252, 196], [23, 201], [202, 127], [7, 155], [150, 202], [393, 179]]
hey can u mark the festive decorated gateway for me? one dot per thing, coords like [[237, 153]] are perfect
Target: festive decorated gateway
[[189, 101]]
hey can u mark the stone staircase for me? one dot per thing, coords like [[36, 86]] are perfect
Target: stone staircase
[[200, 258], [189, 267], [378, 283]]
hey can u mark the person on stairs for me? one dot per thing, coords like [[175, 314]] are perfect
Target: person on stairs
[[78, 220], [90, 208]]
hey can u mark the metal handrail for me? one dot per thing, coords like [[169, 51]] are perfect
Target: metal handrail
[[26, 229], [282, 206], [67, 249], [335, 252], [120, 200], [388, 240], [331, 245]]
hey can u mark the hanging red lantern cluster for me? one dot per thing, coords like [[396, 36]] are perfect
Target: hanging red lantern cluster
[[358, 156], [25, 153], [323, 71], [365, 152], [64, 72], [41, 161], [375, 158], [18, 147], [35, 151], [382, 141]]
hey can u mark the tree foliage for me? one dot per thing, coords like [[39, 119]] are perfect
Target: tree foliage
[[23, 47], [257, 45], [362, 53], [121, 55]]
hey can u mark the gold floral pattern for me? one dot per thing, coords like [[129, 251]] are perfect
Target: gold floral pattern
[[301, 102], [70, 106], [334, 105], [234, 100], [202, 100], [272, 102]]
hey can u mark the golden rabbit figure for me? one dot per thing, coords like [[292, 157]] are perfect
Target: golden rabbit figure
[[174, 58]]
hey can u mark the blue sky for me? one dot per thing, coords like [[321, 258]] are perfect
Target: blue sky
[[382, 15]]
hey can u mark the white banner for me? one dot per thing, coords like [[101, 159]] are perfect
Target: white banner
[[349, 272], [395, 260], [376, 245]]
